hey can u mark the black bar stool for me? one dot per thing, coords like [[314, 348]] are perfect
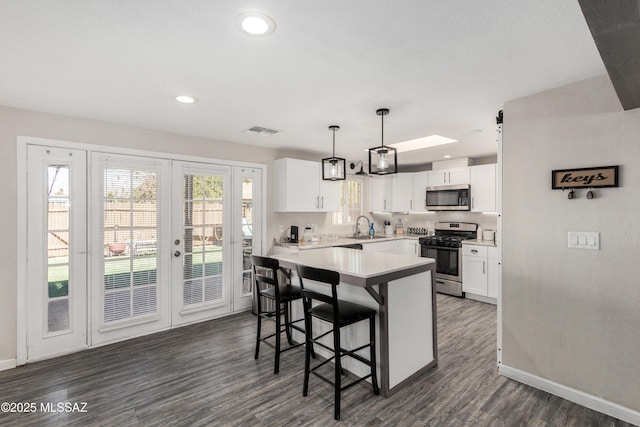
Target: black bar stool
[[265, 273], [340, 314]]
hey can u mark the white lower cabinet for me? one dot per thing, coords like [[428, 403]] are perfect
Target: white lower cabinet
[[481, 271], [474, 269], [495, 273], [411, 247], [390, 246]]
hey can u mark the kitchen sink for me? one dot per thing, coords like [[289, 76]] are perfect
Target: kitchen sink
[[367, 237]]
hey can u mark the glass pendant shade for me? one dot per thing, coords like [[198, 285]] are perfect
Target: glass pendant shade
[[383, 160], [334, 168]]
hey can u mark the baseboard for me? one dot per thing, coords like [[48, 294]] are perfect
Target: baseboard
[[7, 364], [481, 298], [581, 398]]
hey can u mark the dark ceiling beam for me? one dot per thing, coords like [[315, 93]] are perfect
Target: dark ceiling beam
[[615, 26]]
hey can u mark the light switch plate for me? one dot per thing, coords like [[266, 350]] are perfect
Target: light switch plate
[[584, 240]]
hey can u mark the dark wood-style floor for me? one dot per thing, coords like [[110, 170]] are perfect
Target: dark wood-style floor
[[205, 374]]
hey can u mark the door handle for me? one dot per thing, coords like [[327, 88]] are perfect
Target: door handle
[[177, 254]]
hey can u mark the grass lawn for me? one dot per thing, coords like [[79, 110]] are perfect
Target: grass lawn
[[118, 270]]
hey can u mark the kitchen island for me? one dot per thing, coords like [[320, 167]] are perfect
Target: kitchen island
[[402, 290]]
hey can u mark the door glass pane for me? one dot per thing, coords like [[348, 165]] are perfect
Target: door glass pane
[[247, 233], [130, 238], [58, 247], [203, 219]]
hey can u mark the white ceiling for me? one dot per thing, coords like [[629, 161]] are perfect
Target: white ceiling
[[441, 67]]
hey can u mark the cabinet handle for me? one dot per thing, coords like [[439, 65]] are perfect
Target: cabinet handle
[[472, 203], [384, 205], [474, 251], [483, 267], [318, 202], [449, 177], [444, 177], [322, 202], [411, 204]]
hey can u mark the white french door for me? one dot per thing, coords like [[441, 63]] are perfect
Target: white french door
[[247, 231], [131, 246], [57, 251], [201, 242]]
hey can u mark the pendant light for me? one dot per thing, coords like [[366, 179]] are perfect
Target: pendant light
[[333, 168], [383, 160]]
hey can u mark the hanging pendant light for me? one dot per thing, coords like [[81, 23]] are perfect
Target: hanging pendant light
[[383, 160], [333, 168]]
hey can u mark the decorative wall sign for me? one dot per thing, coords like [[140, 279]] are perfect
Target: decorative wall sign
[[598, 177]]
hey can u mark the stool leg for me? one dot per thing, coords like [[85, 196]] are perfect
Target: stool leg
[[338, 369], [372, 340], [308, 325], [259, 328], [276, 369], [308, 349], [287, 321]]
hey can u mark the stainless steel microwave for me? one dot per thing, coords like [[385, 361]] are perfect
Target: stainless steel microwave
[[449, 198]]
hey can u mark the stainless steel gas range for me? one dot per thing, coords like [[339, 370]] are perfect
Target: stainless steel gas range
[[446, 248]]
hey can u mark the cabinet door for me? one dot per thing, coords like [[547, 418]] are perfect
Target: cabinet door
[[474, 275], [483, 188], [329, 196], [296, 185], [401, 192], [495, 271], [438, 177], [411, 247], [379, 194], [419, 199], [458, 176]]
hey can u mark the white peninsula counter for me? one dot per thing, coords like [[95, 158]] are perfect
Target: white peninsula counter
[[402, 290]]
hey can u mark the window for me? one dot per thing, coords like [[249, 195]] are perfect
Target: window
[[350, 201]]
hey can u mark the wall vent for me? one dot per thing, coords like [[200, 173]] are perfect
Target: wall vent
[[259, 130]]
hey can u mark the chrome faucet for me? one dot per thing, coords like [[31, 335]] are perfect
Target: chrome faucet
[[357, 231]]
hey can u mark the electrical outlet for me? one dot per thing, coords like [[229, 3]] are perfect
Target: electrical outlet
[[281, 228]]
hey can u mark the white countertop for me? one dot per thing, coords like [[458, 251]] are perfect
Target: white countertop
[[354, 262]]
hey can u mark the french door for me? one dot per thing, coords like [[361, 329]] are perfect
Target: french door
[[170, 244], [56, 251], [130, 254], [201, 243]]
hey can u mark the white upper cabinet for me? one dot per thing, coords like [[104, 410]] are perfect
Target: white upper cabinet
[[483, 188], [420, 184], [380, 194], [299, 187], [453, 176], [402, 192]]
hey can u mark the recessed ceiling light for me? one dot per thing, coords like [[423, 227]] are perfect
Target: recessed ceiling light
[[419, 143], [447, 156], [184, 99], [256, 24]]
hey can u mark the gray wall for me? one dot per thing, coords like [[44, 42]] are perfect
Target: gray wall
[[572, 316]]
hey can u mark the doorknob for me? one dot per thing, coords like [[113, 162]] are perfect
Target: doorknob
[[176, 254]]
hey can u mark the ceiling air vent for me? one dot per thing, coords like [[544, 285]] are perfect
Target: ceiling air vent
[[259, 130]]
